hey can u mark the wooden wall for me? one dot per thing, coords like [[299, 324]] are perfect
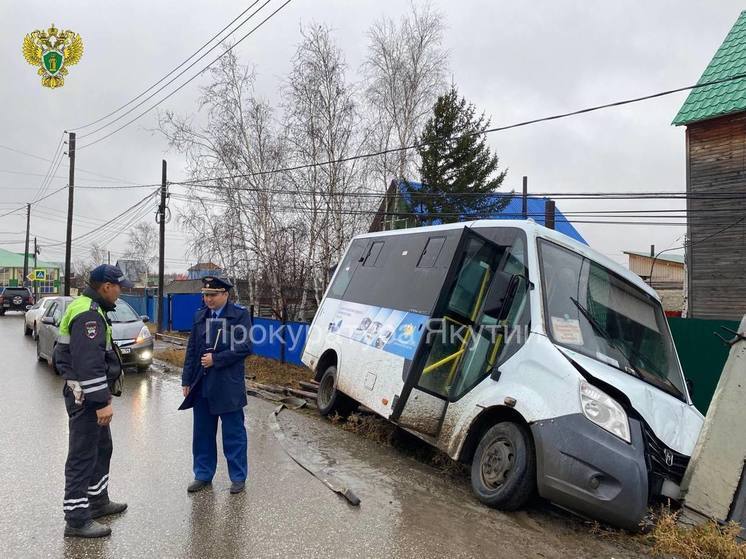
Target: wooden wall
[[716, 256]]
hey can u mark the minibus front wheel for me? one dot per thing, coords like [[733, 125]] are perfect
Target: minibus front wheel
[[503, 471], [329, 400]]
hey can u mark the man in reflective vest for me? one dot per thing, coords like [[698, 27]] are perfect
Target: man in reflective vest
[[86, 358]]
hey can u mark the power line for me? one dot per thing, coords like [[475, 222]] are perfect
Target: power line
[[125, 212], [77, 169], [177, 67], [265, 20], [495, 129], [698, 241], [33, 203], [48, 181], [661, 195], [426, 216], [52, 169]]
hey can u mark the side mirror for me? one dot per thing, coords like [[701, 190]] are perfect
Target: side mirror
[[690, 387], [144, 318], [500, 294], [28, 307], [48, 320]]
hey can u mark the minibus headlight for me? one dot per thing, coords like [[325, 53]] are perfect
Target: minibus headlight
[[604, 411]]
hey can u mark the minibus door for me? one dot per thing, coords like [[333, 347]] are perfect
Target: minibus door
[[449, 342]]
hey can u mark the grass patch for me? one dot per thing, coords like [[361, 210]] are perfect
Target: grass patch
[[259, 369], [368, 426], [708, 540], [173, 355]]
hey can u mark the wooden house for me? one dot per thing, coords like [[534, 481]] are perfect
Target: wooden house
[[715, 120]]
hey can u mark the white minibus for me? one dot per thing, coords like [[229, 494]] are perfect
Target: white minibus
[[516, 349]]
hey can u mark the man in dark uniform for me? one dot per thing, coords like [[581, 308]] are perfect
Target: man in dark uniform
[[213, 384], [86, 358]]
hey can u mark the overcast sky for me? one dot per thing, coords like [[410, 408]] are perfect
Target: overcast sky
[[514, 60]]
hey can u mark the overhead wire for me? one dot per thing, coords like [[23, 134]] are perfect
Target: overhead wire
[[229, 49], [179, 66]]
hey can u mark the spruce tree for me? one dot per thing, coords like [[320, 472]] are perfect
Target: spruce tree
[[456, 164]]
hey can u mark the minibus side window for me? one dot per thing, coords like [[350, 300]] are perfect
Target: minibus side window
[[346, 269], [430, 252], [374, 254]]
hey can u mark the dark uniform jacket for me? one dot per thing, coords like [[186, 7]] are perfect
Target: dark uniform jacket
[[85, 357], [223, 384]]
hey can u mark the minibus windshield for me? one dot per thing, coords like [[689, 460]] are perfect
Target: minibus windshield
[[593, 311]]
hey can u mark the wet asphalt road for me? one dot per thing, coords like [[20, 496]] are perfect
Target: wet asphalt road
[[407, 510]]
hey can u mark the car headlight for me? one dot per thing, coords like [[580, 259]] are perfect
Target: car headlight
[[143, 335], [604, 411]]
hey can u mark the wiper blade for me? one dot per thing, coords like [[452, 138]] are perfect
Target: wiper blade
[[629, 367]]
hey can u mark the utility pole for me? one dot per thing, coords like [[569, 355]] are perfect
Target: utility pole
[[161, 245], [524, 202], [70, 194], [36, 284], [108, 257], [25, 251]]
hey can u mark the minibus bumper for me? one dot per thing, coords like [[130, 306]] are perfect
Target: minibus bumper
[[587, 469]]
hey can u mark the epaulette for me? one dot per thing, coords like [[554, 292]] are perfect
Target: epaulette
[[239, 306]]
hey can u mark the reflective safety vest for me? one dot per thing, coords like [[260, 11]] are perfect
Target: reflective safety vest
[[78, 306]]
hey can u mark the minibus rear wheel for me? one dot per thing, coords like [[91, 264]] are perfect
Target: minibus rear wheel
[[330, 400], [503, 472]]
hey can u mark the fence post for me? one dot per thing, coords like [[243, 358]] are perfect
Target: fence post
[[170, 312], [549, 214], [283, 320]]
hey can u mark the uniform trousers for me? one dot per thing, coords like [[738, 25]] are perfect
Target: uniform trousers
[[204, 443], [87, 466]]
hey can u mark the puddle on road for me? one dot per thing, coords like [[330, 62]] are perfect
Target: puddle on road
[[421, 495]]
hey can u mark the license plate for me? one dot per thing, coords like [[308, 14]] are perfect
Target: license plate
[[126, 350], [6, 304]]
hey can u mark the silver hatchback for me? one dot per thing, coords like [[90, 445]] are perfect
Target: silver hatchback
[[129, 332]]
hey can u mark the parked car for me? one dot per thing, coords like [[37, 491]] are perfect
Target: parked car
[[543, 364], [129, 332], [15, 299], [33, 316]]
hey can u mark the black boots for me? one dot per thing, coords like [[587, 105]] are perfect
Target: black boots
[[197, 485], [108, 509], [237, 487], [90, 529]]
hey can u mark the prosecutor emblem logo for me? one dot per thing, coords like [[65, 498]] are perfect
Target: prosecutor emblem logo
[[52, 51]]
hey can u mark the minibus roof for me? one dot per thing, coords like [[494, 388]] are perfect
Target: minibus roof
[[533, 230]]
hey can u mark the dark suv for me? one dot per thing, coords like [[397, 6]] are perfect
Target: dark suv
[[15, 299]]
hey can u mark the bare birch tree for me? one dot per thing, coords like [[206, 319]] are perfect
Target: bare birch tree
[[143, 242], [233, 216], [404, 72], [322, 124]]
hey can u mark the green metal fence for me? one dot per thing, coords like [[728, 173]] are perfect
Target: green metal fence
[[702, 354]]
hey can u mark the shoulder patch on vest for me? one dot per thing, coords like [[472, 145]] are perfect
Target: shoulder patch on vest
[[94, 306], [91, 329]]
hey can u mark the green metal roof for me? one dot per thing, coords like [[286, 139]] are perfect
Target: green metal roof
[[15, 260], [725, 98]]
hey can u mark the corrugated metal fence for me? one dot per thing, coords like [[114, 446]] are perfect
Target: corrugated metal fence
[[274, 339], [702, 354]]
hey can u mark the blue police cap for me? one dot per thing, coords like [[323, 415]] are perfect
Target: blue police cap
[[212, 284], [108, 273]]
